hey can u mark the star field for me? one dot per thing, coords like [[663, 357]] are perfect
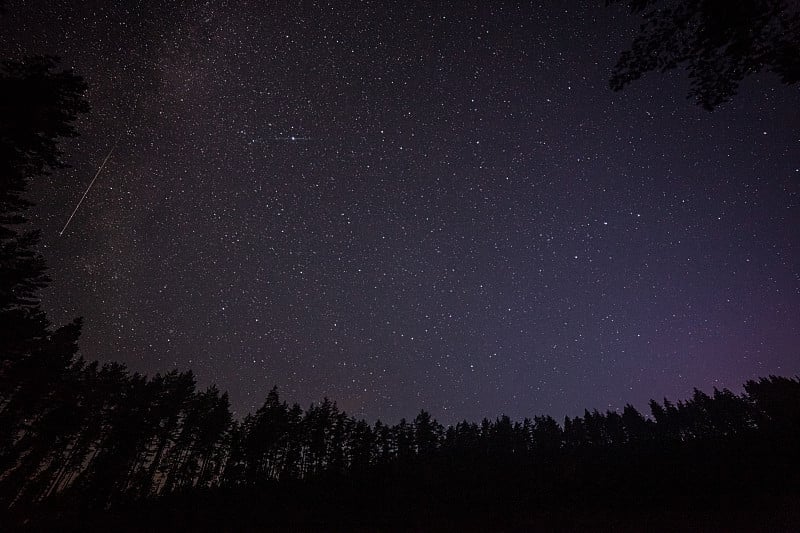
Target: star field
[[405, 206]]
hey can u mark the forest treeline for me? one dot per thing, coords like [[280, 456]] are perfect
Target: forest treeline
[[88, 446], [96, 437], [103, 435]]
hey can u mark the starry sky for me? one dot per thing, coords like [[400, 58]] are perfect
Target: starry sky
[[407, 205]]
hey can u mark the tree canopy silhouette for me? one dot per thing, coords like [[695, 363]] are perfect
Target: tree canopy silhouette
[[117, 446], [38, 106], [719, 43]]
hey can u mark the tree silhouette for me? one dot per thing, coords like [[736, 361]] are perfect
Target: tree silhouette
[[546, 436], [719, 43], [427, 434], [38, 106]]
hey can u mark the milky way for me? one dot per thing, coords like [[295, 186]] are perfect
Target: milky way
[[468, 220]]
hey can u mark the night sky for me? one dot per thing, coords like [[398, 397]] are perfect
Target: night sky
[[407, 205]]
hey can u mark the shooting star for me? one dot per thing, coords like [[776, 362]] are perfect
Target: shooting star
[[99, 170]]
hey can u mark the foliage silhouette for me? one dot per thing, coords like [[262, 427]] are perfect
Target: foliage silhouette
[[719, 43], [38, 105]]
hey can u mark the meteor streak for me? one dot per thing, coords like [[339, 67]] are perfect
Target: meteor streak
[[99, 170]]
